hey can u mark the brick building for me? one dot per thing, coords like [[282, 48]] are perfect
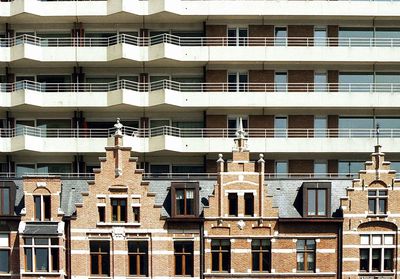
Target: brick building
[[121, 225]]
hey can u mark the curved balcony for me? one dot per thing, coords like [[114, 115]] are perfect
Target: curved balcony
[[200, 49], [199, 140], [170, 8], [200, 95]]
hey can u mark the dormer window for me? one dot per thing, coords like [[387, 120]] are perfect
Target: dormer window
[[377, 201], [5, 204], [316, 199], [42, 207], [184, 199]]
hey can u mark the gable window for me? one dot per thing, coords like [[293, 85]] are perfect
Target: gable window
[[5, 207], [136, 214], [221, 255], [102, 214], [233, 204], [305, 251], [138, 258], [41, 254], [377, 201], [261, 255], [377, 253], [42, 207], [118, 210], [316, 202], [248, 204], [100, 258], [184, 197], [4, 253], [183, 251]]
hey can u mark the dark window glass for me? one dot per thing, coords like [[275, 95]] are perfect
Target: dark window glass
[[376, 259], [248, 204], [42, 259], [4, 201], [100, 257], [261, 255], [183, 258], [221, 255], [28, 259], [316, 202], [185, 201], [4, 261], [54, 259], [136, 214], [388, 260], [47, 208], [377, 201], [38, 207], [102, 214], [138, 257], [364, 259], [233, 204]]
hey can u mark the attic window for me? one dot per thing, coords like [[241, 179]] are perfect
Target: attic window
[[184, 199], [316, 199]]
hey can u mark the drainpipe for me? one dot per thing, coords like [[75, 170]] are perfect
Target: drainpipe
[[202, 256], [340, 251], [68, 247]]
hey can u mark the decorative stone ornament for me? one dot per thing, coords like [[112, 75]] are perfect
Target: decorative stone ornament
[[118, 126], [241, 224], [118, 233]]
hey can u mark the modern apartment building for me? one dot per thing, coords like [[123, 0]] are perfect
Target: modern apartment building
[[309, 79], [239, 225]]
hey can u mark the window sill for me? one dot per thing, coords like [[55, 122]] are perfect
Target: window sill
[[118, 224], [375, 273], [377, 215], [41, 273]]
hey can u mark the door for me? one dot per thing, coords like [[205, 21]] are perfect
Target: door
[[237, 82], [237, 36]]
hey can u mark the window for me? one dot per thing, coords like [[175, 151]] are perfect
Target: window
[[320, 82], [280, 127], [185, 199], [41, 254], [5, 207], [183, 251], [377, 253], [305, 250], [221, 255], [237, 82], [42, 207], [233, 204], [316, 202], [102, 214], [281, 168], [377, 201], [136, 214], [119, 210], [280, 36], [320, 35], [100, 257], [4, 253], [138, 258], [320, 168], [237, 36], [248, 204], [281, 80], [261, 255], [320, 126]]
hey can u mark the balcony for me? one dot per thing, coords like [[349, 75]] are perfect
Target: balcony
[[214, 8], [198, 140], [200, 95], [167, 48]]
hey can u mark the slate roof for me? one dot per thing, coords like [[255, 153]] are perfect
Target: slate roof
[[41, 228], [71, 193], [286, 195]]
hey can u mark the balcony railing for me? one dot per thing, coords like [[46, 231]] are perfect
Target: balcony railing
[[196, 132], [199, 41], [200, 87]]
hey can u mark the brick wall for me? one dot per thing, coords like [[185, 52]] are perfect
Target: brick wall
[[264, 31], [216, 121], [261, 122], [333, 124], [301, 166], [216, 76], [303, 125], [301, 76], [298, 33], [219, 32], [333, 32], [333, 78], [262, 76]]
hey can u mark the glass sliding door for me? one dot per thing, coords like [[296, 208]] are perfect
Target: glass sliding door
[[320, 36]]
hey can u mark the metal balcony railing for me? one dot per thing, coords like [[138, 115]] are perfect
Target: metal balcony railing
[[200, 87], [196, 132], [199, 41]]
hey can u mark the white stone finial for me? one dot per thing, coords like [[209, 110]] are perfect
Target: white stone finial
[[118, 126], [261, 160], [240, 133], [220, 159]]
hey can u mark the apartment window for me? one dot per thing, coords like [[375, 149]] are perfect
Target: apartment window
[[320, 168], [377, 253], [238, 82], [248, 204], [4, 253], [102, 214], [184, 261], [221, 255], [261, 255], [320, 126], [138, 258], [305, 250], [119, 213], [317, 202], [233, 204], [281, 168], [5, 201], [280, 36], [350, 168], [100, 258], [355, 81], [185, 198], [42, 207], [320, 82], [136, 214], [377, 201], [281, 82], [41, 254], [237, 36], [320, 36]]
